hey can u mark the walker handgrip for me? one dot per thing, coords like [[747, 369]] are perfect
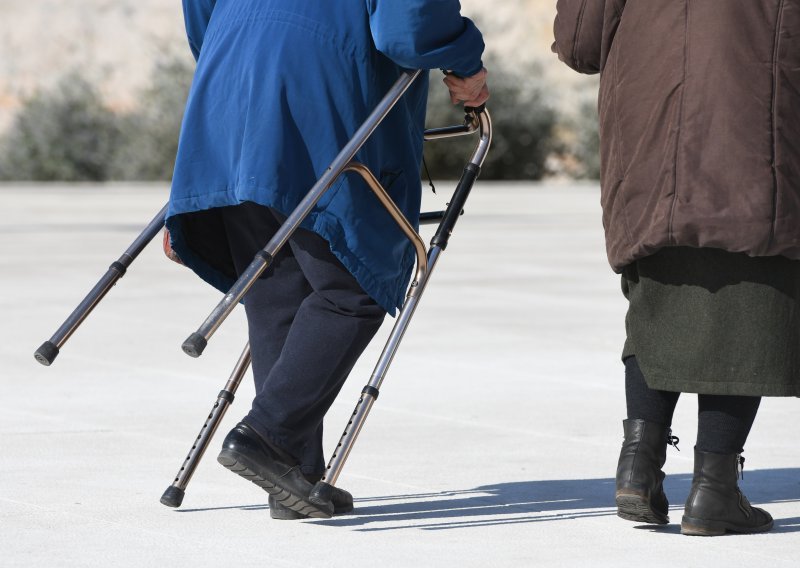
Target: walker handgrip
[[194, 345], [456, 206]]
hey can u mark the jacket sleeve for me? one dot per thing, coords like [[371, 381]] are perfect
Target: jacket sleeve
[[426, 34], [196, 14], [579, 33]]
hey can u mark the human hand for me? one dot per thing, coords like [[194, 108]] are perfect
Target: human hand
[[167, 245], [472, 91]]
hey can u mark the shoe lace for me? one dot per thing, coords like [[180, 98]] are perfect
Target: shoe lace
[[740, 466], [673, 440]]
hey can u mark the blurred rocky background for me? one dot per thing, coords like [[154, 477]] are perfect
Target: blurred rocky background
[[93, 90]]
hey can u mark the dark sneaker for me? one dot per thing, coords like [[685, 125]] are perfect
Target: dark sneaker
[[248, 455]]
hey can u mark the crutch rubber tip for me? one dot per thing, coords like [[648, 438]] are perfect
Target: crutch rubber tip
[[173, 496], [194, 345], [47, 353], [321, 494]]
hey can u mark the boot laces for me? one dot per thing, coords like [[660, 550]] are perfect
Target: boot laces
[[673, 440], [740, 466]]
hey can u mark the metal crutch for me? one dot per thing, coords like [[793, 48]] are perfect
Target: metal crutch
[[197, 341], [173, 496], [49, 350], [321, 494]]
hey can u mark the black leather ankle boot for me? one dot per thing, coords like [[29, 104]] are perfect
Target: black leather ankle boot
[[640, 492], [715, 504]]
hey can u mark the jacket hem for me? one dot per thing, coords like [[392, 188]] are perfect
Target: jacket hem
[[714, 388], [320, 223]]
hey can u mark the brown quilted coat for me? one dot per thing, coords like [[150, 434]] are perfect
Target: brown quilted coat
[[699, 121]]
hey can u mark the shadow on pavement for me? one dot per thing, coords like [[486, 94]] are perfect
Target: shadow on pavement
[[549, 500], [539, 501]]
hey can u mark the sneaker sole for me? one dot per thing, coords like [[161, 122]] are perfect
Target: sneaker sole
[[270, 483], [637, 509]]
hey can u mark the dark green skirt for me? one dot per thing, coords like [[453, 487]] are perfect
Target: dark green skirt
[[713, 322]]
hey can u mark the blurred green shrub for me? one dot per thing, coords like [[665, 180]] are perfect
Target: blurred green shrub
[[587, 147], [150, 133], [64, 134], [577, 152], [68, 134]]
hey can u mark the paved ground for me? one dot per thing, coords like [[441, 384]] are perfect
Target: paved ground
[[494, 442]]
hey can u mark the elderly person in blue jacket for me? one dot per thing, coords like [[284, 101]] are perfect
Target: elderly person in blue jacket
[[279, 89]]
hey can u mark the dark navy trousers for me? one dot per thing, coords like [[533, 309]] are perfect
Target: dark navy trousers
[[308, 320]]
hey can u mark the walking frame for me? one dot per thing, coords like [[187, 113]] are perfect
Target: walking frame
[[475, 120]]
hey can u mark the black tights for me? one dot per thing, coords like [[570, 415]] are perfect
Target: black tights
[[723, 423]]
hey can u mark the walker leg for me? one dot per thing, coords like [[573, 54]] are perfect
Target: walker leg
[[173, 496], [322, 491]]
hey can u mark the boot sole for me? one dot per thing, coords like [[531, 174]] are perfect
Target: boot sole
[[698, 527], [636, 508], [270, 483]]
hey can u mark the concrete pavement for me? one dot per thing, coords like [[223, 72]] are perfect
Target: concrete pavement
[[494, 442]]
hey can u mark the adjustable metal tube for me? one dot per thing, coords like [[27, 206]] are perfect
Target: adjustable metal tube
[[485, 141], [173, 496], [370, 392]]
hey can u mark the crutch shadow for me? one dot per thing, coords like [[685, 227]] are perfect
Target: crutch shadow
[[545, 501]]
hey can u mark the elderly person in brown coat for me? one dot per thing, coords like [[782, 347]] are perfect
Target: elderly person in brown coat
[[700, 141]]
